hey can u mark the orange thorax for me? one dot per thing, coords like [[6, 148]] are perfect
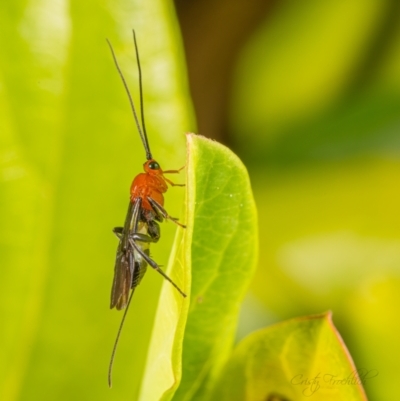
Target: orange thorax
[[149, 184]]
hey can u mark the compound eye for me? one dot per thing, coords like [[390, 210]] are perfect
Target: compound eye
[[154, 166]]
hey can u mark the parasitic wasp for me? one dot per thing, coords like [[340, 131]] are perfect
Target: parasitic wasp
[[141, 228]]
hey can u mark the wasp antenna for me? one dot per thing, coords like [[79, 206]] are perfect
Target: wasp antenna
[[143, 136], [121, 325]]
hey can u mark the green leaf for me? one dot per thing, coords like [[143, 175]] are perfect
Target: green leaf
[[220, 247], [294, 360], [224, 254]]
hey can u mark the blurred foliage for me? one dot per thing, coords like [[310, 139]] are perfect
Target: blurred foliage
[[316, 117], [274, 364], [69, 150]]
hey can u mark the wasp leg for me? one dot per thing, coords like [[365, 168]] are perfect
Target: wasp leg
[[153, 264], [153, 230], [172, 183], [142, 238], [174, 171], [162, 212], [135, 236]]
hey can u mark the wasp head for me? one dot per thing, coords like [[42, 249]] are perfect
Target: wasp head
[[152, 167]]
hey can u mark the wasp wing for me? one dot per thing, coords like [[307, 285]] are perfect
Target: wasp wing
[[124, 270], [123, 273]]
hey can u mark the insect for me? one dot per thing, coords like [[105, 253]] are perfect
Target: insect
[[141, 228]]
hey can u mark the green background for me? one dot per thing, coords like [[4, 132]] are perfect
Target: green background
[[320, 136], [69, 151]]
